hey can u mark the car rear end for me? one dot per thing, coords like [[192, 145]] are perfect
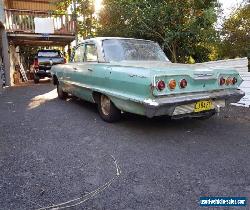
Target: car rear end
[[43, 62], [198, 93]]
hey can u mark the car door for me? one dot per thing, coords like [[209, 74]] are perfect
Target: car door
[[71, 68], [98, 72], [84, 70]]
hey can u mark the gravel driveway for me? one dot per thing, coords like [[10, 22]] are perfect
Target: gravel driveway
[[52, 151]]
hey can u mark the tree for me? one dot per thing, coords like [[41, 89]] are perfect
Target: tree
[[83, 10], [182, 28], [236, 34]]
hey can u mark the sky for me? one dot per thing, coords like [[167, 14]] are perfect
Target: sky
[[229, 5], [98, 5]]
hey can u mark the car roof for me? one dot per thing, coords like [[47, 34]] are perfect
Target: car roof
[[109, 38]]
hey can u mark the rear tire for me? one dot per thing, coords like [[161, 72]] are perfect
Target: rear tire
[[107, 110], [61, 94], [36, 79]]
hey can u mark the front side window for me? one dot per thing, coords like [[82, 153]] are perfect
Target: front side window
[[79, 54], [132, 50], [91, 53]]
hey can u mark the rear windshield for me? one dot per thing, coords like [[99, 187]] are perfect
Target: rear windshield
[[132, 50], [49, 54]]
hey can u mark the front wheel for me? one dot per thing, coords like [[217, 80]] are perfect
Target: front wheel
[[61, 94], [107, 110]]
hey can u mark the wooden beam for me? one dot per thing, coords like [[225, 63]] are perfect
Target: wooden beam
[[33, 11], [39, 40], [36, 1], [8, 4], [44, 5]]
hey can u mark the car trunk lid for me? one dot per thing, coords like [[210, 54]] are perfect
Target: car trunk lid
[[199, 77]]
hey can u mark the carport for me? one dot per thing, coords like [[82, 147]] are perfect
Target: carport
[[33, 23]]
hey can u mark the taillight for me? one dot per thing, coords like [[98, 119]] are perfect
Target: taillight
[[183, 83], [36, 63], [161, 85], [222, 81], [235, 80], [64, 60], [172, 84], [229, 81]]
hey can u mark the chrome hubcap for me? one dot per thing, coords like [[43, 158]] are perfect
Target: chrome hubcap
[[105, 105]]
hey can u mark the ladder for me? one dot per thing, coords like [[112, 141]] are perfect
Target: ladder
[[23, 73]]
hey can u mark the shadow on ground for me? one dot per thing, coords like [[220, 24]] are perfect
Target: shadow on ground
[[52, 151]]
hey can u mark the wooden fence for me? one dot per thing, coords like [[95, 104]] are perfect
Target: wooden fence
[[240, 64]]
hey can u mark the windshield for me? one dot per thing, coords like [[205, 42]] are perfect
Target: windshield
[[132, 50], [50, 54]]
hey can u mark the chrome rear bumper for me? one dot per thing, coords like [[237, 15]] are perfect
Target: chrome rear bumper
[[168, 104]]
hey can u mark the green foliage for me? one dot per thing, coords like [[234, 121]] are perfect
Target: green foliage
[[83, 10], [62, 6], [236, 34], [182, 28]]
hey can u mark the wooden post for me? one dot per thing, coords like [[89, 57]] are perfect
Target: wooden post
[[6, 56], [69, 52], [75, 19]]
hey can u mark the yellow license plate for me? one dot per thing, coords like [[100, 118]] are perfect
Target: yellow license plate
[[201, 106]]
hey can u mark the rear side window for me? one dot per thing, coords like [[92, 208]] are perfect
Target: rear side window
[[91, 53], [49, 54]]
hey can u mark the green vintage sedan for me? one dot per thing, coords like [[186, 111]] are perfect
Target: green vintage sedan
[[134, 75]]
